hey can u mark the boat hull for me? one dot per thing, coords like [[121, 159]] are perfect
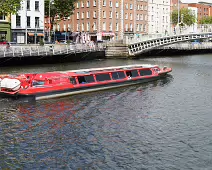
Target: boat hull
[[73, 91]]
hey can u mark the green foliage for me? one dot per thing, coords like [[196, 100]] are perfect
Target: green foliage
[[9, 6], [62, 8], [68, 42], [41, 42], [186, 17], [206, 20]]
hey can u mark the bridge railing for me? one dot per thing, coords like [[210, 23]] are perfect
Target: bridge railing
[[32, 50], [197, 29]]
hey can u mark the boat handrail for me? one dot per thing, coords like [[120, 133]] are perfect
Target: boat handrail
[[107, 68]]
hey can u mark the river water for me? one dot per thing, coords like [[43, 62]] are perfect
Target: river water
[[155, 126]]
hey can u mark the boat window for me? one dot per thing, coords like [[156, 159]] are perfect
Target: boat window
[[103, 77], [72, 80], [145, 72], [37, 83], [89, 79], [86, 79], [134, 73], [118, 75]]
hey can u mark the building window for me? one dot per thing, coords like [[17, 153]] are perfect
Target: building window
[[88, 3], [126, 27], [88, 14], [117, 15], [94, 3], [2, 18], [78, 15], [78, 4], [126, 16], [117, 4], [141, 27], [111, 14], [28, 21], [131, 16], [94, 26], [126, 6], [88, 26], [141, 17], [144, 28], [37, 22], [110, 26], [82, 26], [104, 26], [117, 26], [131, 6], [137, 17], [64, 27], [82, 4], [77, 27], [111, 4], [131, 27], [104, 14], [94, 14], [18, 21], [104, 2], [28, 5], [69, 27], [36, 5], [137, 28]]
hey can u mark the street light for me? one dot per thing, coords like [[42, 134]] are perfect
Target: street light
[[178, 14], [50, 2]]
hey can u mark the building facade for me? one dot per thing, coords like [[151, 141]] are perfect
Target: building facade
[[28, 25], [203, 10], [159, 16], [5, 31], [106, 19]]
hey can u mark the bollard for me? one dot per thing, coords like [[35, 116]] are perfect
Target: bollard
[[13, 52]]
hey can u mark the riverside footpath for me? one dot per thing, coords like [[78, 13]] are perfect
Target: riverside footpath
[[51, 53]]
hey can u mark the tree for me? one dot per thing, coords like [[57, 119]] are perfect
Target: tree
[[206, 20], [187, 17], [62, 8], [9, 6]]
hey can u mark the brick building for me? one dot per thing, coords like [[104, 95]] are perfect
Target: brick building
[[105, 19]]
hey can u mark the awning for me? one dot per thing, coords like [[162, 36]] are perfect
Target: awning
[[31, 34], [38, 34], [108, 34]]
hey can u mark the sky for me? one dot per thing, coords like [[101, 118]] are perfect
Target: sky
[[196, 1]]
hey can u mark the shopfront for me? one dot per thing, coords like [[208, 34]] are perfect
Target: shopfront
[[33, 36], [5, 34]]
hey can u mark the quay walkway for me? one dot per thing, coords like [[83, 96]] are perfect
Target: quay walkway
[[47, 50]]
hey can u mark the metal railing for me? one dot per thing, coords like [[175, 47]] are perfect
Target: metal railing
[[31, 50]]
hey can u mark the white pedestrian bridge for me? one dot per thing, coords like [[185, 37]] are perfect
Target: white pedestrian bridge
[[139, 46]]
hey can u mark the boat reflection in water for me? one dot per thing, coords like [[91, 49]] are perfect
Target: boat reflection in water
[[64, 133]]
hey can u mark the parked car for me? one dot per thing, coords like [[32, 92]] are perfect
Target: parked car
[[3, 42]]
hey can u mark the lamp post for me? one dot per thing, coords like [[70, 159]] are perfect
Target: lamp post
[[26, 25], [49, 21], [178, 14]]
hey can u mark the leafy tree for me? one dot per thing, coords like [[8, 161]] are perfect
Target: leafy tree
[[206, 20], [9, 6], [62, 8], [187, 17]]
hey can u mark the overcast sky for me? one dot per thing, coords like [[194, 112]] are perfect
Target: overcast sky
[[196, 1]]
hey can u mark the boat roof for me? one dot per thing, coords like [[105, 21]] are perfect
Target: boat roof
[[107, 69], [83, 72]]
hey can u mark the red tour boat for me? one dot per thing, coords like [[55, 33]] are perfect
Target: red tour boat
[[57, 84]]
